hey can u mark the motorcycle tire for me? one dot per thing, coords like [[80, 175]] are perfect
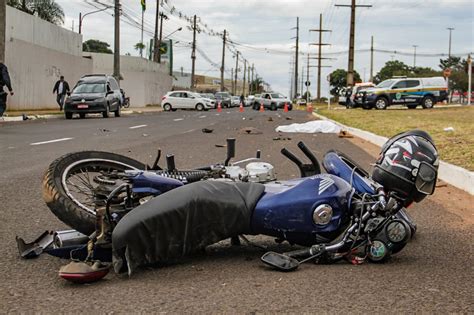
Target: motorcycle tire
[[64, 196]]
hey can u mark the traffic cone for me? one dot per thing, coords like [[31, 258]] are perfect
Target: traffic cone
[[309, 108], [286, 108], [219, 107], [262, 109], [241, 108]]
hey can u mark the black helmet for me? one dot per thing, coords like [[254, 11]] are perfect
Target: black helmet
[[408, 166]]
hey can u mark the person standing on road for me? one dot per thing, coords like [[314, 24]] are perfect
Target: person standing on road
[[242, 100], [4, 80], [61, 88]]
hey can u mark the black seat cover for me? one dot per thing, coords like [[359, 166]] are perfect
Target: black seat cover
[[184, 220]]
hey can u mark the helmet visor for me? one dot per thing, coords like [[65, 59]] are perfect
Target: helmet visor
[[426, 179]]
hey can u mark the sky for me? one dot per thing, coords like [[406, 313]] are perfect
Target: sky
[[263, 32]]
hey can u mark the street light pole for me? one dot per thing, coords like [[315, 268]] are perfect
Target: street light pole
[[81, 17], [414, 55], [117, 41], [450, 30]]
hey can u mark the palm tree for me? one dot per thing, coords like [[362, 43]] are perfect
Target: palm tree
[[47, 10], [140, 47]]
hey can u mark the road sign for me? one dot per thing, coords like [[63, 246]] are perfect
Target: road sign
[[307, 83]]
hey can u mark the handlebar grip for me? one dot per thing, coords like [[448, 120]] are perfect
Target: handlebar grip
[[292, 157], [299, 252], [310, 156]]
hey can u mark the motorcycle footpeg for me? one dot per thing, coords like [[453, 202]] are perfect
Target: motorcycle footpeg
[[35, 248], [280, 262]]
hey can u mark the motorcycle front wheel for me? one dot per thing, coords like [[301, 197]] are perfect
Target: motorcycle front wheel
[[76, 183]]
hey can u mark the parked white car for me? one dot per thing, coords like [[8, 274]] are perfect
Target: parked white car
[[185, 100]]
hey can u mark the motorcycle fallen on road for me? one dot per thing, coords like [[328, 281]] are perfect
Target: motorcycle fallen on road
[[137, 215]]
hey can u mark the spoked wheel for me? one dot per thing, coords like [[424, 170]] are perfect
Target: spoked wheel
[[76, 183]]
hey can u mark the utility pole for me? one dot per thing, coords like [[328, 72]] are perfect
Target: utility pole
[[371, 59], [193, 55], [296, 54], [248, 79], [253, 81], [236, 70], [162, 16], [302, 78], [223, 62], [414, 55], [141, 38], [469, 79], [350, 68], [117, 41], [155, 38], [232, 81], [245, 71], [307, 78], [450, 31], [3, 9], [319, 44]]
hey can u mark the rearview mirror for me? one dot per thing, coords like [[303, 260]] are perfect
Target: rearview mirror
[[280, 261]]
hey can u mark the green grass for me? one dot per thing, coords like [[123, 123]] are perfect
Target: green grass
[[456, 147]]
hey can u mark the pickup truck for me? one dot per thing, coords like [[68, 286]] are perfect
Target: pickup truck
[[271, 100]]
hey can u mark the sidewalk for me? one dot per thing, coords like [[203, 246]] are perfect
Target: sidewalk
[[54, 113]]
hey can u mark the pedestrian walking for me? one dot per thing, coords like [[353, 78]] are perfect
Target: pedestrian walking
[[61, 88], [242, 100], [4, 81]]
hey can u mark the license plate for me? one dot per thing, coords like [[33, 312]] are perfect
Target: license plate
[[82, 106]]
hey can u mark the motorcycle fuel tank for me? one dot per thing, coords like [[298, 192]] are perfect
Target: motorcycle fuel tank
[[152, 183], [305, 210]]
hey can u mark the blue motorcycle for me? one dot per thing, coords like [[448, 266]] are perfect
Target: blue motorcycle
[[138, 217]]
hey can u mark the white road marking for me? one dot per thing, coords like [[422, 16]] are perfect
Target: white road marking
[[203, 116], [51, 141], [189, 131], [178, 119], [136, 127]]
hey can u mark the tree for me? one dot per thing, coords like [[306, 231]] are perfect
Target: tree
[[398, 68], [256, 86], [94, 45], [338, 80], [391, 69], [459, 76], [304, 95], [47, 10], [140, 47]]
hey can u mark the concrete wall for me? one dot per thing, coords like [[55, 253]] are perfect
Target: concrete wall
[[31, 29], [143, 80], [181, 80], [34, 70]]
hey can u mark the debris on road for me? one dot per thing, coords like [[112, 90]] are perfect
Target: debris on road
[[220, 145], [270, 119], [288, 118], [250, 131], [345, 134], [281, 138], [448, 129], [314, 126], [207, 130]]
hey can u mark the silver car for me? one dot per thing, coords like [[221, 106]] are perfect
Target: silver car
[[185, 100]]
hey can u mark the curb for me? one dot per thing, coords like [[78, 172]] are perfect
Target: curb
[[451, 174]]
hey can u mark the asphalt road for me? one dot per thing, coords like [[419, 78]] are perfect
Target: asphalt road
[[433, 274]]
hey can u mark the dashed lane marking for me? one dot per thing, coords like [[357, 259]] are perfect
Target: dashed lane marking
[[51, 141], [178, 119], [136, 127]]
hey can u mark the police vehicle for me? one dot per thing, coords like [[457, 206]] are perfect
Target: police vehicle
[[410, 92]]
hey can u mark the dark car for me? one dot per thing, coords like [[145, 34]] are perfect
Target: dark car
[[98, 93], [224, 98]]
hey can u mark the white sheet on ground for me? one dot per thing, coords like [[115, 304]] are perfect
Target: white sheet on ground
[[314, 126]]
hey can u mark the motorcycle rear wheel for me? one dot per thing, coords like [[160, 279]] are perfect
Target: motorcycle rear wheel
[[70, 185]]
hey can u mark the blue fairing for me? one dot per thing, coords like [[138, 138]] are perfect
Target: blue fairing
[[151, 183], [335, 165], [286, 209]]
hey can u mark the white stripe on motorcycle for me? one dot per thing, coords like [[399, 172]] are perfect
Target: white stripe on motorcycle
[[136, 127], [51, 141]]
